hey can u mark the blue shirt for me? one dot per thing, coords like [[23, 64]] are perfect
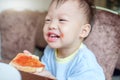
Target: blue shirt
[[83, 66]]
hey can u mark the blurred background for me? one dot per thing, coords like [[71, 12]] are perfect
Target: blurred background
[[113, 5], [21, 23], [110, 4], [43, 4]]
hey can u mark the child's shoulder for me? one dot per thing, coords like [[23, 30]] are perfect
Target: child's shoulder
[[84, 50], [86, 55]]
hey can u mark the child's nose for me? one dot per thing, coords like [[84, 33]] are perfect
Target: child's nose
[[53, 25]]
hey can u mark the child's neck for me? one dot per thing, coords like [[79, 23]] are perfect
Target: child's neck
[[65, 52]]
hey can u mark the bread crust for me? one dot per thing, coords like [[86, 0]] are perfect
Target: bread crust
[[27, 68]]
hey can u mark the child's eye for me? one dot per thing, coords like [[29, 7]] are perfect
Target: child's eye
[[62, 20], [47, 20]]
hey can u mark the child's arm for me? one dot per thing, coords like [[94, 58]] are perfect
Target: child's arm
[[46, 73]]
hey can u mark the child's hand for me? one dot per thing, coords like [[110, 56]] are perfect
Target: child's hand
[[26, 52], [45, 73]]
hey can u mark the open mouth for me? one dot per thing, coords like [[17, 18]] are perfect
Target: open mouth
[[52, 37]]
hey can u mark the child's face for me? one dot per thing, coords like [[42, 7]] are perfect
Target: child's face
[[64, 25]]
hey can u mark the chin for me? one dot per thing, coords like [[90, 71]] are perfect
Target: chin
[[53, 46]]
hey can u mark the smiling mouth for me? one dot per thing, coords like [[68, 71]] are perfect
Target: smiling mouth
[[52, 37]]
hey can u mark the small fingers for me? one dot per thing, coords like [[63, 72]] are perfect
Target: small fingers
[[27, 52]]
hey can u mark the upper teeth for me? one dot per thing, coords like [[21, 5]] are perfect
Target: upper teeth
[[52, 35]]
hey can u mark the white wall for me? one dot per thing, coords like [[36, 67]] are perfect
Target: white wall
[[19, 5]]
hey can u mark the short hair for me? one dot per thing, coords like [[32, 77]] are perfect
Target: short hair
[[87, 4]]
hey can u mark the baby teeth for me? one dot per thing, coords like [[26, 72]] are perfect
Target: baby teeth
[[52, 35]]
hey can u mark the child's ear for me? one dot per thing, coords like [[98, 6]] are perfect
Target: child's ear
[[85, 29]]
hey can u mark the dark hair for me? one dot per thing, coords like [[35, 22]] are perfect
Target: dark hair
[[87, 4], [90, 9]]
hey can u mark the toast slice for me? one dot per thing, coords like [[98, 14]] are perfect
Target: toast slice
[[27, 62]]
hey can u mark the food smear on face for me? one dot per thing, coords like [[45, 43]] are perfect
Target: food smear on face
[[62, 35]]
